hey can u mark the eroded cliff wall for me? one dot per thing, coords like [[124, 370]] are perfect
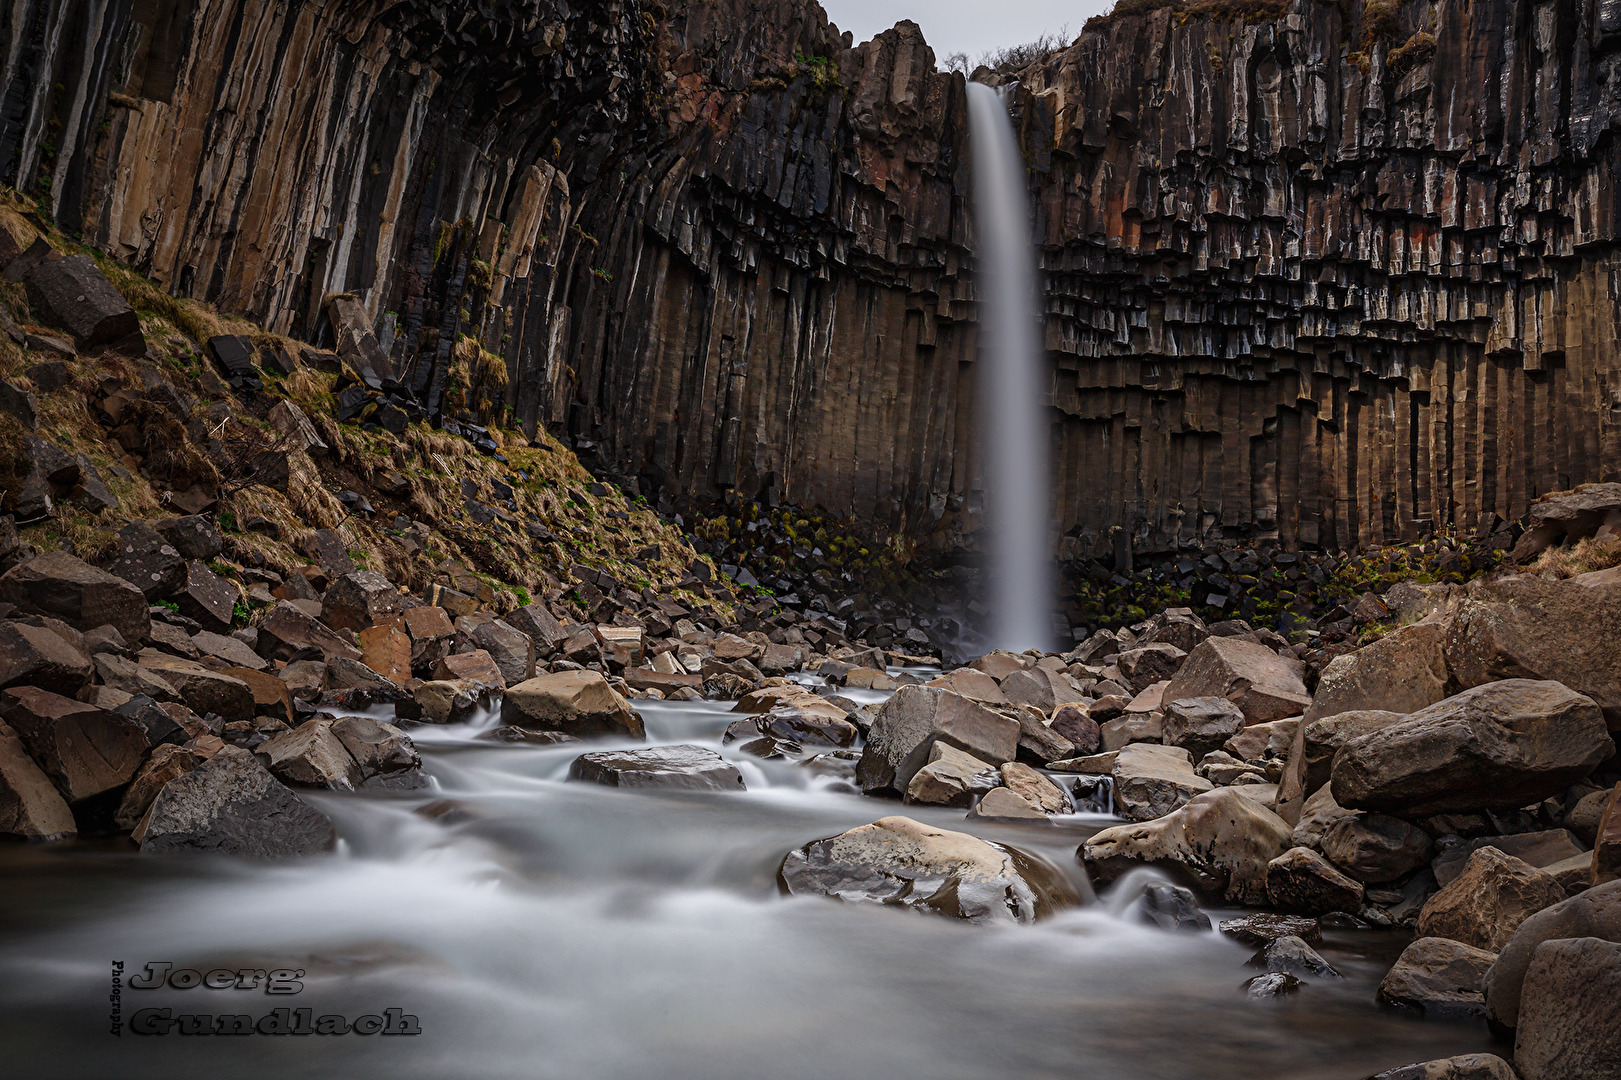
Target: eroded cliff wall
[[1331, 272]]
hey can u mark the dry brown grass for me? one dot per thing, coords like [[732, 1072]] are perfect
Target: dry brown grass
[[1582, 557]]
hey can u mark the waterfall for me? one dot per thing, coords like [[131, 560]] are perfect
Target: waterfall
[[1013, 387]]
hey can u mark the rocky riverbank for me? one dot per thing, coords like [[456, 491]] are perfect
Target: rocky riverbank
[[235, 571]]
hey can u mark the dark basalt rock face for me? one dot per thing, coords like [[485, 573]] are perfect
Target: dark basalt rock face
[[1310, 274]]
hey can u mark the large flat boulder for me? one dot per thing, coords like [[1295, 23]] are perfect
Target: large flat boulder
[[86, 751], [1402, 672], [1438, 977], [232, 805], [1220, 840], [909, 723], [952, 777], [898, 861], [1151, 781], [1311, 755], [1488, 901], [1261, 683], [578, 703], [1044, 689], [1541, 849], [971, 683], [1528, 628], [1564, 517], [1570, 1012], [35, 656], [1595, 913], [67, 588], [665, 768], [30, 806], [1496, 747]]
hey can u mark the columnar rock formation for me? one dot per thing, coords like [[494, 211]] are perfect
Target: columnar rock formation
[[1327, 272]]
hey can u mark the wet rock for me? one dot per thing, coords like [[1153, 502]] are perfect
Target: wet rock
[[1539, 849], [1005, 804], [909, 723], [511, 734], [1220, 840], [447, 702], [1261, 683], [1402, 672], [674, 768], [1439, 977], [1263, 928], [1498, 747], [1292, 955], [377, 747], [207, 597], [35, 656], [1570, 1012], [1487, 902], [1302, 880], [83, 749], [359, 598], [1035, 788], [1375, 848], [63, 587], [312, 756], [70, 291], [166, 763], [1151, 781], [1171, 907], [1072, 723], [195, 536], [1595, 913], [232, 805], [31, 808], [806, 728], [898, 861], [204, 690], [1271, 985], [1200, 725], [577, 703], [950, 778], [147, 561], [1462, 1067], [1311, 756]]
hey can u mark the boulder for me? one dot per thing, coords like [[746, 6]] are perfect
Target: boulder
[[1438, 977], [147, 561], [1004, 804], [233, 651], [448, 702], [1302, 880], [1151, 781], [166, 763], [131, 678], [666, 768], [898, 861], [474, 667], [207, 597], [155, 723], [1220, 839], [998, 664], [63, 587], [1200, 725], [83, 749], [973, 684], [579, 703], [1039, 743], [431, 633], [1497, 747], [35, 656], [204, 690], [1570, 1012], [311, 756], [1258, 742], [1402, 672], [1044, 689], [377, 747], [1564, 517], [31, 808], [386, 649], [1144, 665], [195, 536], [359, 598], [1584, 818], [1539, 849], [1264, 927], [288, 629], [1292, 955], [1264, 685], [1130, 728], [1273, 984], [1035, 788], [1173, 908], [232, 805], [70, 291], [910, 722], [950, 778], [1175, 626], [1317, 816], [1462, 1067], [1311, 755], [1527, 628], [769, 697], [1375, 848], [1072, 723], [793, 724], [511, 650], [1484, 904], [1595, 913]]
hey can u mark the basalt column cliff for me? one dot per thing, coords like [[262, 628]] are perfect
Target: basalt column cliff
[[1329, 272]]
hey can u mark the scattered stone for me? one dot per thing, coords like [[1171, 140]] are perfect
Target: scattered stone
[[312, 756], [207, 597], [1261, 683], [358, 599], [898, 861], [232, 805], [232, 650], [676, 768], [1302, 880], [63, 587], [35, 656], [1004, 804], [1438, 977], [84, 750], [288, 630], [1292, 955], [909, 723], [973, 684], [1271, 985], [1146, 665], [579, 703], [1036, 789], [377, 747], [1259, 742], [70, 291], [1607, 841], [1151, 781], [1487, 902], [1200, 725], [166, 763], [510, 734]]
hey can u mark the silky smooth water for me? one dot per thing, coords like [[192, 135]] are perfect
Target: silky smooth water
[[1013, 388], [573, 931]]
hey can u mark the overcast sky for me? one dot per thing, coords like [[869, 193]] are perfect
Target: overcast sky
[[969, 26]]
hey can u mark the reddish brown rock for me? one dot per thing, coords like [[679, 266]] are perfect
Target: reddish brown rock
[[63, 587], [30, 806], [1486, 903]]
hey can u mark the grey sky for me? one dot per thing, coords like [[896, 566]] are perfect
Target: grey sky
[[969, 26]]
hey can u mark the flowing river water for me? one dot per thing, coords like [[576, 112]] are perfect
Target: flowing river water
[[559, 929]]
